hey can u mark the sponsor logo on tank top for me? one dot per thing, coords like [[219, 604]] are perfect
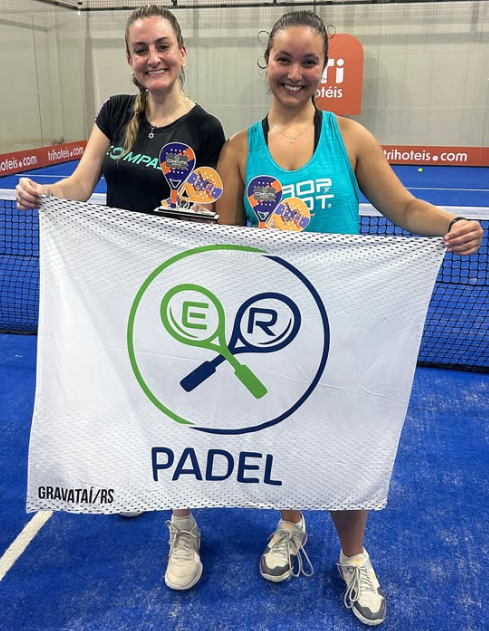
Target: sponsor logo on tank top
[[316, 194]]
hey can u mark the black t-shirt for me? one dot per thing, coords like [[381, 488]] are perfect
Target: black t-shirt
[[136, 182]]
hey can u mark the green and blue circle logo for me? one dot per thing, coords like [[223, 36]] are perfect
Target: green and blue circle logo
[[227, 354]]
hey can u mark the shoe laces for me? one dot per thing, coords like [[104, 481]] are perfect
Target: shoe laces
[[287, 545], [360, 583], [183, 543]]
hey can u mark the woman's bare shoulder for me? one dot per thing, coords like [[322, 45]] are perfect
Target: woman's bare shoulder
[[349, 126], [238, 141]]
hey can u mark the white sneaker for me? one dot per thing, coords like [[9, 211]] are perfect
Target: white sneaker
[[363, 594], [286, 544], [184, 565]]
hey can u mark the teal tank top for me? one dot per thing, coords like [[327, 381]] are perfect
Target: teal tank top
[[327, 183]]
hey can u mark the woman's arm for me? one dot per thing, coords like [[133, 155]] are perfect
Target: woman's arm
[[232, 168], [79, 186], [384, 190]]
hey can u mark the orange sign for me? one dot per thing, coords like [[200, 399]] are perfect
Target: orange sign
[[19, 161], [340, 89]]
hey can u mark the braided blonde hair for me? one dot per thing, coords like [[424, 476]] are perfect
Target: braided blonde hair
[[140, 103]]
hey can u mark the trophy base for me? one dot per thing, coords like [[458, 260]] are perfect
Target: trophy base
[[200, 216]]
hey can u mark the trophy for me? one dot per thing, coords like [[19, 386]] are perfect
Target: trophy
[[188, 186], [265, 198]]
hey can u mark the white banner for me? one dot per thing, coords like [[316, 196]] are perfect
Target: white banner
[[191, 365]]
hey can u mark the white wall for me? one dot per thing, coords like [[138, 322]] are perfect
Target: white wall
[[71, 37], [25, 75], [425, 76]]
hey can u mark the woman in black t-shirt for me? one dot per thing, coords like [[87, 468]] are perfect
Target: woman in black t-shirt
[[130, 130], [124, 146]]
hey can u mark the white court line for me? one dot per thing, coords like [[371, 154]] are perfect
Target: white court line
[[9, 194], [439, 188], [39, 175], [17, 547], [472, 212]]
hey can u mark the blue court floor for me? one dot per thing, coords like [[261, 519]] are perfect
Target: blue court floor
[[430, 546]]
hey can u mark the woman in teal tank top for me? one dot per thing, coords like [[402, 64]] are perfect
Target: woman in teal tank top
[[323, 161], [326, 183]]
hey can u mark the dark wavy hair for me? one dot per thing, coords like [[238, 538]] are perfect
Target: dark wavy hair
[[299, 18]]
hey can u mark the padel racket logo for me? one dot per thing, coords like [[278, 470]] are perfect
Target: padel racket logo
[[187, 184], [264, 194], [210, 355], [191, 326]]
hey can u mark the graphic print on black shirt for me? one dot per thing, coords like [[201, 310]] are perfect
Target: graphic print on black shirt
[[136, 182]]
